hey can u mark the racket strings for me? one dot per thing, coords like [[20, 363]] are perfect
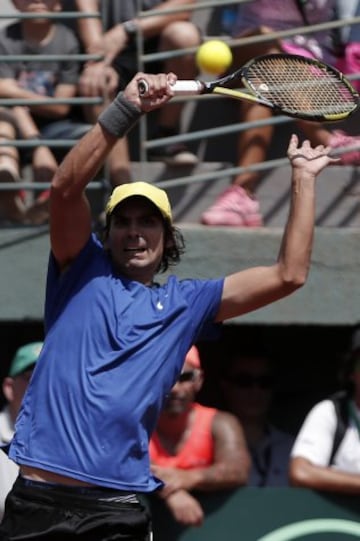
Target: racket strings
[[296, 85]]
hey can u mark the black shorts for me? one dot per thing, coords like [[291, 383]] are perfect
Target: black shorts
[[43, 512]]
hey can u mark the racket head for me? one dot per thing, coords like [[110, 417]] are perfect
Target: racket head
[[295, 86]]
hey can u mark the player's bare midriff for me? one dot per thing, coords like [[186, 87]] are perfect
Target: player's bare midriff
[[36, 474]]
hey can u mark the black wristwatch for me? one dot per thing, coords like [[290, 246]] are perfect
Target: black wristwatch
[[131, 29]]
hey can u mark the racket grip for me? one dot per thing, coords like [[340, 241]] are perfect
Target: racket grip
[[181, 88]]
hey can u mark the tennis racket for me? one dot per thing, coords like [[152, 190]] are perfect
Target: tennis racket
[[292, 85]]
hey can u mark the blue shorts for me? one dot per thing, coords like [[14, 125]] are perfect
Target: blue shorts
[[47, 512]]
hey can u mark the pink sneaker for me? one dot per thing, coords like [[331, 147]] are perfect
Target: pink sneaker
[[341, 139], [234, 208]]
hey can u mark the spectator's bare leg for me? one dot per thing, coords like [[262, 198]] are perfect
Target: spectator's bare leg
[[253, 143], [178, 35], [11, 203], [44, 166]]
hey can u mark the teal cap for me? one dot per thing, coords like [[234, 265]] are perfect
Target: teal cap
[[25, 358]]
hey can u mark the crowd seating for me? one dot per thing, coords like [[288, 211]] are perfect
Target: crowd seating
[[213, 138]]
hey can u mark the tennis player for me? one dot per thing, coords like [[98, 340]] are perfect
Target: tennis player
[[116, 340]]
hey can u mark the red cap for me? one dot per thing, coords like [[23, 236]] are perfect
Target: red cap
[[193, 357]]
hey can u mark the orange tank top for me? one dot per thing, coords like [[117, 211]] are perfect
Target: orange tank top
[[197, 451]]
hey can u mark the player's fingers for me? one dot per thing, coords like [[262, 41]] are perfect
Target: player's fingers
[[293, 144], [156, 86], [152, 85], [306, 143], [172, 78]]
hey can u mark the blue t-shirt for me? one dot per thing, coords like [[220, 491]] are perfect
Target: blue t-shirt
[[113, 350]]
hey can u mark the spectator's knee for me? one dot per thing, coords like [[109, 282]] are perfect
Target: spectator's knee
[[180, 35]]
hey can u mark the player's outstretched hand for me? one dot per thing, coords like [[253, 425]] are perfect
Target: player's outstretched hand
[[159, 90], [310, 159]]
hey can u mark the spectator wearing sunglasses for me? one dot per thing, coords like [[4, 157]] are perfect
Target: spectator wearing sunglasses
[[195, 448], [247, 387]]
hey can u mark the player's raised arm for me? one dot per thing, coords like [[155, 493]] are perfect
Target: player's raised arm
[[256, 287], [70, 217]]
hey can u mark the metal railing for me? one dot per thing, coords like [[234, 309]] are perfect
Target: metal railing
[[143, 59]]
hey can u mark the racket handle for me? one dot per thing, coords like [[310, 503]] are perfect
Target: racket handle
[[181, 88]]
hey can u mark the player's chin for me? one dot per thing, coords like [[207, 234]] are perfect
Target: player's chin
[[134, 267]]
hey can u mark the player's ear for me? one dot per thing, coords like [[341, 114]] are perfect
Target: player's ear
[[8, 389]]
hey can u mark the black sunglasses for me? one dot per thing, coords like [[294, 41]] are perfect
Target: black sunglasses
[[246, 381], [189, 375]]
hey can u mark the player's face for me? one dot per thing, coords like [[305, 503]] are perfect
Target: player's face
[[136, 239]]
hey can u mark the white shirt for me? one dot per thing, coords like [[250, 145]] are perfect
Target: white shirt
[[8, 469], [316, 437]]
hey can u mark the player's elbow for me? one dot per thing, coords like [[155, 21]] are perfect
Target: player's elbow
[[295, 282], [294, 278]]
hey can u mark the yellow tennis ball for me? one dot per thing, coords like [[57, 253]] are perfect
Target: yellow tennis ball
[[214, 57]]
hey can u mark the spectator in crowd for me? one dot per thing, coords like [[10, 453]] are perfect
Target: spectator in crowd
[[349, 37], [347, 9], [116, 340], [326, 452], [247, 387], [195, 448], [14, 387], [115, 37], [34, 80], [237, 205]]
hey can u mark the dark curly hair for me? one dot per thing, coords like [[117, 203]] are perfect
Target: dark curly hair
[[174, 247], [174, 243]]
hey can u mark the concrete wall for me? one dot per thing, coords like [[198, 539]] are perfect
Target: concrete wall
[[331, 296]]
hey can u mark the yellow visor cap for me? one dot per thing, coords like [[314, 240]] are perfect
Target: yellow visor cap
[[157, 196]]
